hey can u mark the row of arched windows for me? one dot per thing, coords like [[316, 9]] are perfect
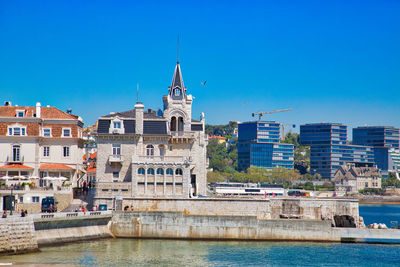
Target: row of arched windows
[[160, 171]]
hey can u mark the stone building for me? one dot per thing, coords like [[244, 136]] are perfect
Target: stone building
[[152, 154], [40, 152], [351, 179]]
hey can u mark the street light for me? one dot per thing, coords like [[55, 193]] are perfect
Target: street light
[[11, 209]]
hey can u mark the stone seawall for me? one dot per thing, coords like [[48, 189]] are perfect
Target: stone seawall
[[61, 230], [265, 209], [17, 235], [179, 226]]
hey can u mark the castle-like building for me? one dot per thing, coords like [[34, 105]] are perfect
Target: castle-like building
[[152, 154]]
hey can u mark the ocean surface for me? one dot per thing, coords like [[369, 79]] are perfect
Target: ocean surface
[[132, 252]]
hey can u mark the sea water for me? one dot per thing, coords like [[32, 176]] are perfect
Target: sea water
[[133, 252]]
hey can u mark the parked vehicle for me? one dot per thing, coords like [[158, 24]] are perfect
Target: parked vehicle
[[49, 205]]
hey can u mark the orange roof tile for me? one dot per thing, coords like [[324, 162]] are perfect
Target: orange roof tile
[[54, 166], [16, 166], [91, 170], [46, 112]]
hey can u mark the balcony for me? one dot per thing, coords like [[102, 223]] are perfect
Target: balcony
[[162, 159], [11, 159], [115, 159]]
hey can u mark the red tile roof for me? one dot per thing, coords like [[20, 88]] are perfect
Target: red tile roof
[[16, 166], [54, 166], [46, 112]]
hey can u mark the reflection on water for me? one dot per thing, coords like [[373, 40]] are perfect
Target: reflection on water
[[132, 252]]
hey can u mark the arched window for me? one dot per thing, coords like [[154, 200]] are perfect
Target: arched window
[[173, 124], [179, 172], [170, 171], [160, 171], [180, 124], [149, 150], [177, 92], [162, 150], [150, 171], [141, 171]]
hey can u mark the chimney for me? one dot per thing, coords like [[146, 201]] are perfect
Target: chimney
[[139, 108], [38, 109]]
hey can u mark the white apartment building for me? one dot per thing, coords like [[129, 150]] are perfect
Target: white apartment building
[[39, 146]]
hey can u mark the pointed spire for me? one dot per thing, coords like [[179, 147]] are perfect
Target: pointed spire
[[177, 80]]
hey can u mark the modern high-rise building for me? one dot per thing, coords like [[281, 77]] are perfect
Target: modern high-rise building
[[329, 148], [258, 145], [382, 139]]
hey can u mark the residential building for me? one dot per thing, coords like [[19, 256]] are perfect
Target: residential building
[[156, 154], [382, 139], [259, 145], [329, 148], [90, 161], [39, 146], [219, 139], [352, 179]]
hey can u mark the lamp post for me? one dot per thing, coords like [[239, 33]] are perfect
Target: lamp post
[[12, 202]]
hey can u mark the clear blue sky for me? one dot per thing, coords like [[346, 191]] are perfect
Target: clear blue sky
[[331, 61]]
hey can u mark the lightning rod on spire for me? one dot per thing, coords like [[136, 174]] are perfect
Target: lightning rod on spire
[[177, 54]]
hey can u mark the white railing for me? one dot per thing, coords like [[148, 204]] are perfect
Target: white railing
[[182, 134], [69, 214]]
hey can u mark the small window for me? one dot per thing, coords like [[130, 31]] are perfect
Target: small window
[[149, 150], [35, 199], [23, 131], [169, 171], [17, 131], [66, 151], [104, 190], [116, 149], [47, 132], [177, 92], [66, 132], [115, 190], [10, 131], [117, 124], [150, 171], [46, 151], [115, 174], [160, 171], [20, 113], [141, 171], [170, 148], [21, 199], [178, 172]]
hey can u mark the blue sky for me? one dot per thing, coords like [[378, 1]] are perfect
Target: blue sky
[[330, 61]]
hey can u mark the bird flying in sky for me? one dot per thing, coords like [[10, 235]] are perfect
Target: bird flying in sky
[[204, 83]]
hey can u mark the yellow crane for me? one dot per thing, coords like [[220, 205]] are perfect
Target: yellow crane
[[260, 114], [283, 125]]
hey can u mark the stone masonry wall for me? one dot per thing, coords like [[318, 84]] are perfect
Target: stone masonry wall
[[270, 209], [17, 235]]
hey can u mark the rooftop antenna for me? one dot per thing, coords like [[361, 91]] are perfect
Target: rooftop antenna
[[137, 94], [177, 54]]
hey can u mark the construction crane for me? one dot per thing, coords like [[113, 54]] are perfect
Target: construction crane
[[283, 125], [260, 114]]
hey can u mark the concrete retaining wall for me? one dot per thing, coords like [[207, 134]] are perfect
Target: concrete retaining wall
[[266, 209], [17, 235], [180, 226]]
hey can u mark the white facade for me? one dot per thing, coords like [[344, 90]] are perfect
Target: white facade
[[149, 154]]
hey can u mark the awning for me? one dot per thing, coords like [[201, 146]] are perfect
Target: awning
[[15, 167], [55, 178], [55, 167]]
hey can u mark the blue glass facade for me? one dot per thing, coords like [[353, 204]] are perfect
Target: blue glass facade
[[382, 139], [377, 136], [258, 145], [329, 148]]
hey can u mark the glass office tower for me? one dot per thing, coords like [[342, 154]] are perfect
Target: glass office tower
[[259, 145], [383, 139], [329, 148]]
